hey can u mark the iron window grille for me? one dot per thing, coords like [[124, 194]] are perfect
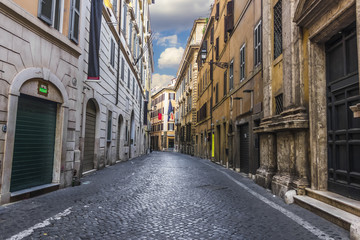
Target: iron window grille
[[242, 63], [278, 29], [279, 105], [257, 44]]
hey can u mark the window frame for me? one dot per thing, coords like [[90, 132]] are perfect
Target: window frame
[[74, 11], [44, 18], [112, 53], [242, 62], [231, 75], [258, 44]]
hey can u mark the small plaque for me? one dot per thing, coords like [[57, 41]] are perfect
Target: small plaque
[[43, 88]]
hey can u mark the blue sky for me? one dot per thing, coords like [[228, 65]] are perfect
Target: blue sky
[[171, 23]]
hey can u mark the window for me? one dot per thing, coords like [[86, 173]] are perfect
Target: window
[[225, 83], [217, 93], [242, 63], [109, 124], [50, 11], [128, 78], [114, 7], [217, 11], [190, 71], [75, 20], [130, 35], [112, 53], [278, 29], [45, 11], [133, 87], [171, 96], [279, 104], [124, 19], [126, 133], [231, 75], [217, 48], [123, 69], [170, 127], [257, 44]]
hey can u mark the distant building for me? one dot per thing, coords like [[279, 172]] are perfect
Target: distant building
[[163, 120], [186, 86]]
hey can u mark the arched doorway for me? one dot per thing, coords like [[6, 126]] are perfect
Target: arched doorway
[[119, 142], [89, 143]]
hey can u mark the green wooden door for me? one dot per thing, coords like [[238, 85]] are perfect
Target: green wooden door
[[33, 156]]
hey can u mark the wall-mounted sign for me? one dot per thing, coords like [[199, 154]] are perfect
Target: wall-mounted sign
[[43, 88]]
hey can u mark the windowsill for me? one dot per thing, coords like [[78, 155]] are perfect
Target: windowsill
[[278, 60]]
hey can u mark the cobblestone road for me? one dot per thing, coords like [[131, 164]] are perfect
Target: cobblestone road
[[163, 196]]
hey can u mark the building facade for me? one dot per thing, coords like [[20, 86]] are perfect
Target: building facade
[[163, 120], [186, 91], [230, 86], [56, 125], [39, 63], [309, 136]]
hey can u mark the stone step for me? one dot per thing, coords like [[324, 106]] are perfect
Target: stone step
[[333, 214], [336, 200]]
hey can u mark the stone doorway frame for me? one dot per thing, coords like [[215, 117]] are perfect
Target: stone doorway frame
[[321, 31], [61, 125]]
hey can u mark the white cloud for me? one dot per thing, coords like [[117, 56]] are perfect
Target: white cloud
[[178, 14], [170, 58], [160, 81], [168, 41]]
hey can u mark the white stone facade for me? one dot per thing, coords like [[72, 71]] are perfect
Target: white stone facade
[[34, 53]]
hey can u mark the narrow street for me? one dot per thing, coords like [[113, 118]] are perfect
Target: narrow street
[[163, 196]]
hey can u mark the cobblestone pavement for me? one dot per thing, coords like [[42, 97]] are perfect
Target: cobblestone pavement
[[163, 196]]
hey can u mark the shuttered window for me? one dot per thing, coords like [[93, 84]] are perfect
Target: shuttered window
[[75, 20]]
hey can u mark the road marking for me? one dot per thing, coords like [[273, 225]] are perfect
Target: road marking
[[43, 224], [317, 232]]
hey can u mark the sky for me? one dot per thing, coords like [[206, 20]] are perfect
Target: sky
[[171, 23]]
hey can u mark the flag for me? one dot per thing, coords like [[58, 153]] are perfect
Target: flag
[[170, 112], [94, 40], [159, 116]]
